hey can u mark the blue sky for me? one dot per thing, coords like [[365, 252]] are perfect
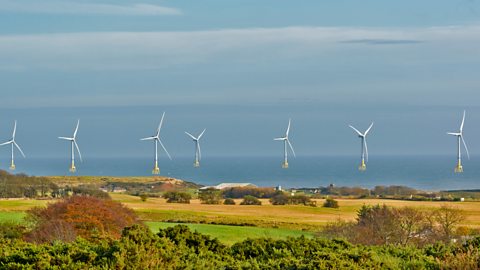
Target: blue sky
[[239, 69]]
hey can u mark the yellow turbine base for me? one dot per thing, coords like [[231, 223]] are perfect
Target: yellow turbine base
[[459, 168], [285, 165], [156, 170], [12, 166], [362, 167], [73, 168], [196, 164]]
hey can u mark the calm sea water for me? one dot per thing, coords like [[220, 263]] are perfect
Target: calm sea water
[[427, 173]]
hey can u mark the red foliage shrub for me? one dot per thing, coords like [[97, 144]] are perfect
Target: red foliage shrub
[[83, 216]]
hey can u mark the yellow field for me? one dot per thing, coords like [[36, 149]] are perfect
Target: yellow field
[[266, 215], [300, 217]]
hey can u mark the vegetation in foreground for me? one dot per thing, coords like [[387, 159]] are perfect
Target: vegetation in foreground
[[179, 248]]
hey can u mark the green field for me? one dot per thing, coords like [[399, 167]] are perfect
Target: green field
[[12, 216], [232, 234]]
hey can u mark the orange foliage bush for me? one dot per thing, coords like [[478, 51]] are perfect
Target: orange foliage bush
[[83, 216]]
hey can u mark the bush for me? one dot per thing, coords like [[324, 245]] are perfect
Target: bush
[[177, 197], [229, 201], [282, 199], [250, 200], [143, 197], [11, 230], [330, 203], [240, 192], [84, 216], [210, 196], [279, 199]]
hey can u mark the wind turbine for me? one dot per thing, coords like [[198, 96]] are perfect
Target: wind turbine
[[73, 142], [363, 137], [156, 139], [459, 167], [285, 142], [12, 142], [198, 152]]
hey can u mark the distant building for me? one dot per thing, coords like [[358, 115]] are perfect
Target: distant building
[[229, 185]]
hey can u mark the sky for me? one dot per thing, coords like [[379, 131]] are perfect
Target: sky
[[240, 69]]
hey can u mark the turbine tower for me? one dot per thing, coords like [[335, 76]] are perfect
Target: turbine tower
[[156, 139], [73, 143], [363, 137], [13, 143], [459, 167], [285, 142], [198, 152]]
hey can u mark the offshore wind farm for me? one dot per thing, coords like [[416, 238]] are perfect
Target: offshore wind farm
[[427, 172]]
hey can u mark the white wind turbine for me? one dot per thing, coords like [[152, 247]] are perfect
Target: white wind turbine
[[73, 143], [157, 140], [13, 143], [459, 167], [285, 142], [198, 152], [363, 137]]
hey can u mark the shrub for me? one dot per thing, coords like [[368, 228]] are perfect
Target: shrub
[[250, 200], [330, 203], [143, 197], [84, 216], [240, 192], [282, 199], [279, 199], [177, 197], [210, 196], [90, 191], [229, 201], [11, 230]]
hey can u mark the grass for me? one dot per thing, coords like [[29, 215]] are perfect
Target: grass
[[233, 234], [12, 216]]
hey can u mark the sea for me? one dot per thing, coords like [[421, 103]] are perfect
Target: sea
[[429, 173]]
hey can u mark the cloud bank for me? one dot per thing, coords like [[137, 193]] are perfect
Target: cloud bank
[[151, 50], [71, 7]]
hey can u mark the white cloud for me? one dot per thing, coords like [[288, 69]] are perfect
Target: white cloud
[[150, 50], [71, 7]]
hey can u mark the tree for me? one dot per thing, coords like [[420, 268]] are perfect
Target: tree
[[229, 201], [250, 200], [447, 219], [210, 196], [330, 203], [85, 216], [177, 197]]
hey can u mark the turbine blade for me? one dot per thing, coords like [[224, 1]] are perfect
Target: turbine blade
[[366, 148], [368, 130], [356, 130], [165, 149], [160, 125], [201, 134], [288, 128], [14, 130], [149, 138], [453, 133], [78, 150], [191, 136], [466, 149], [463, 121], [291, 147], [66, 138], [76, 129], [5, 143], [19, 149], [279, 139]]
